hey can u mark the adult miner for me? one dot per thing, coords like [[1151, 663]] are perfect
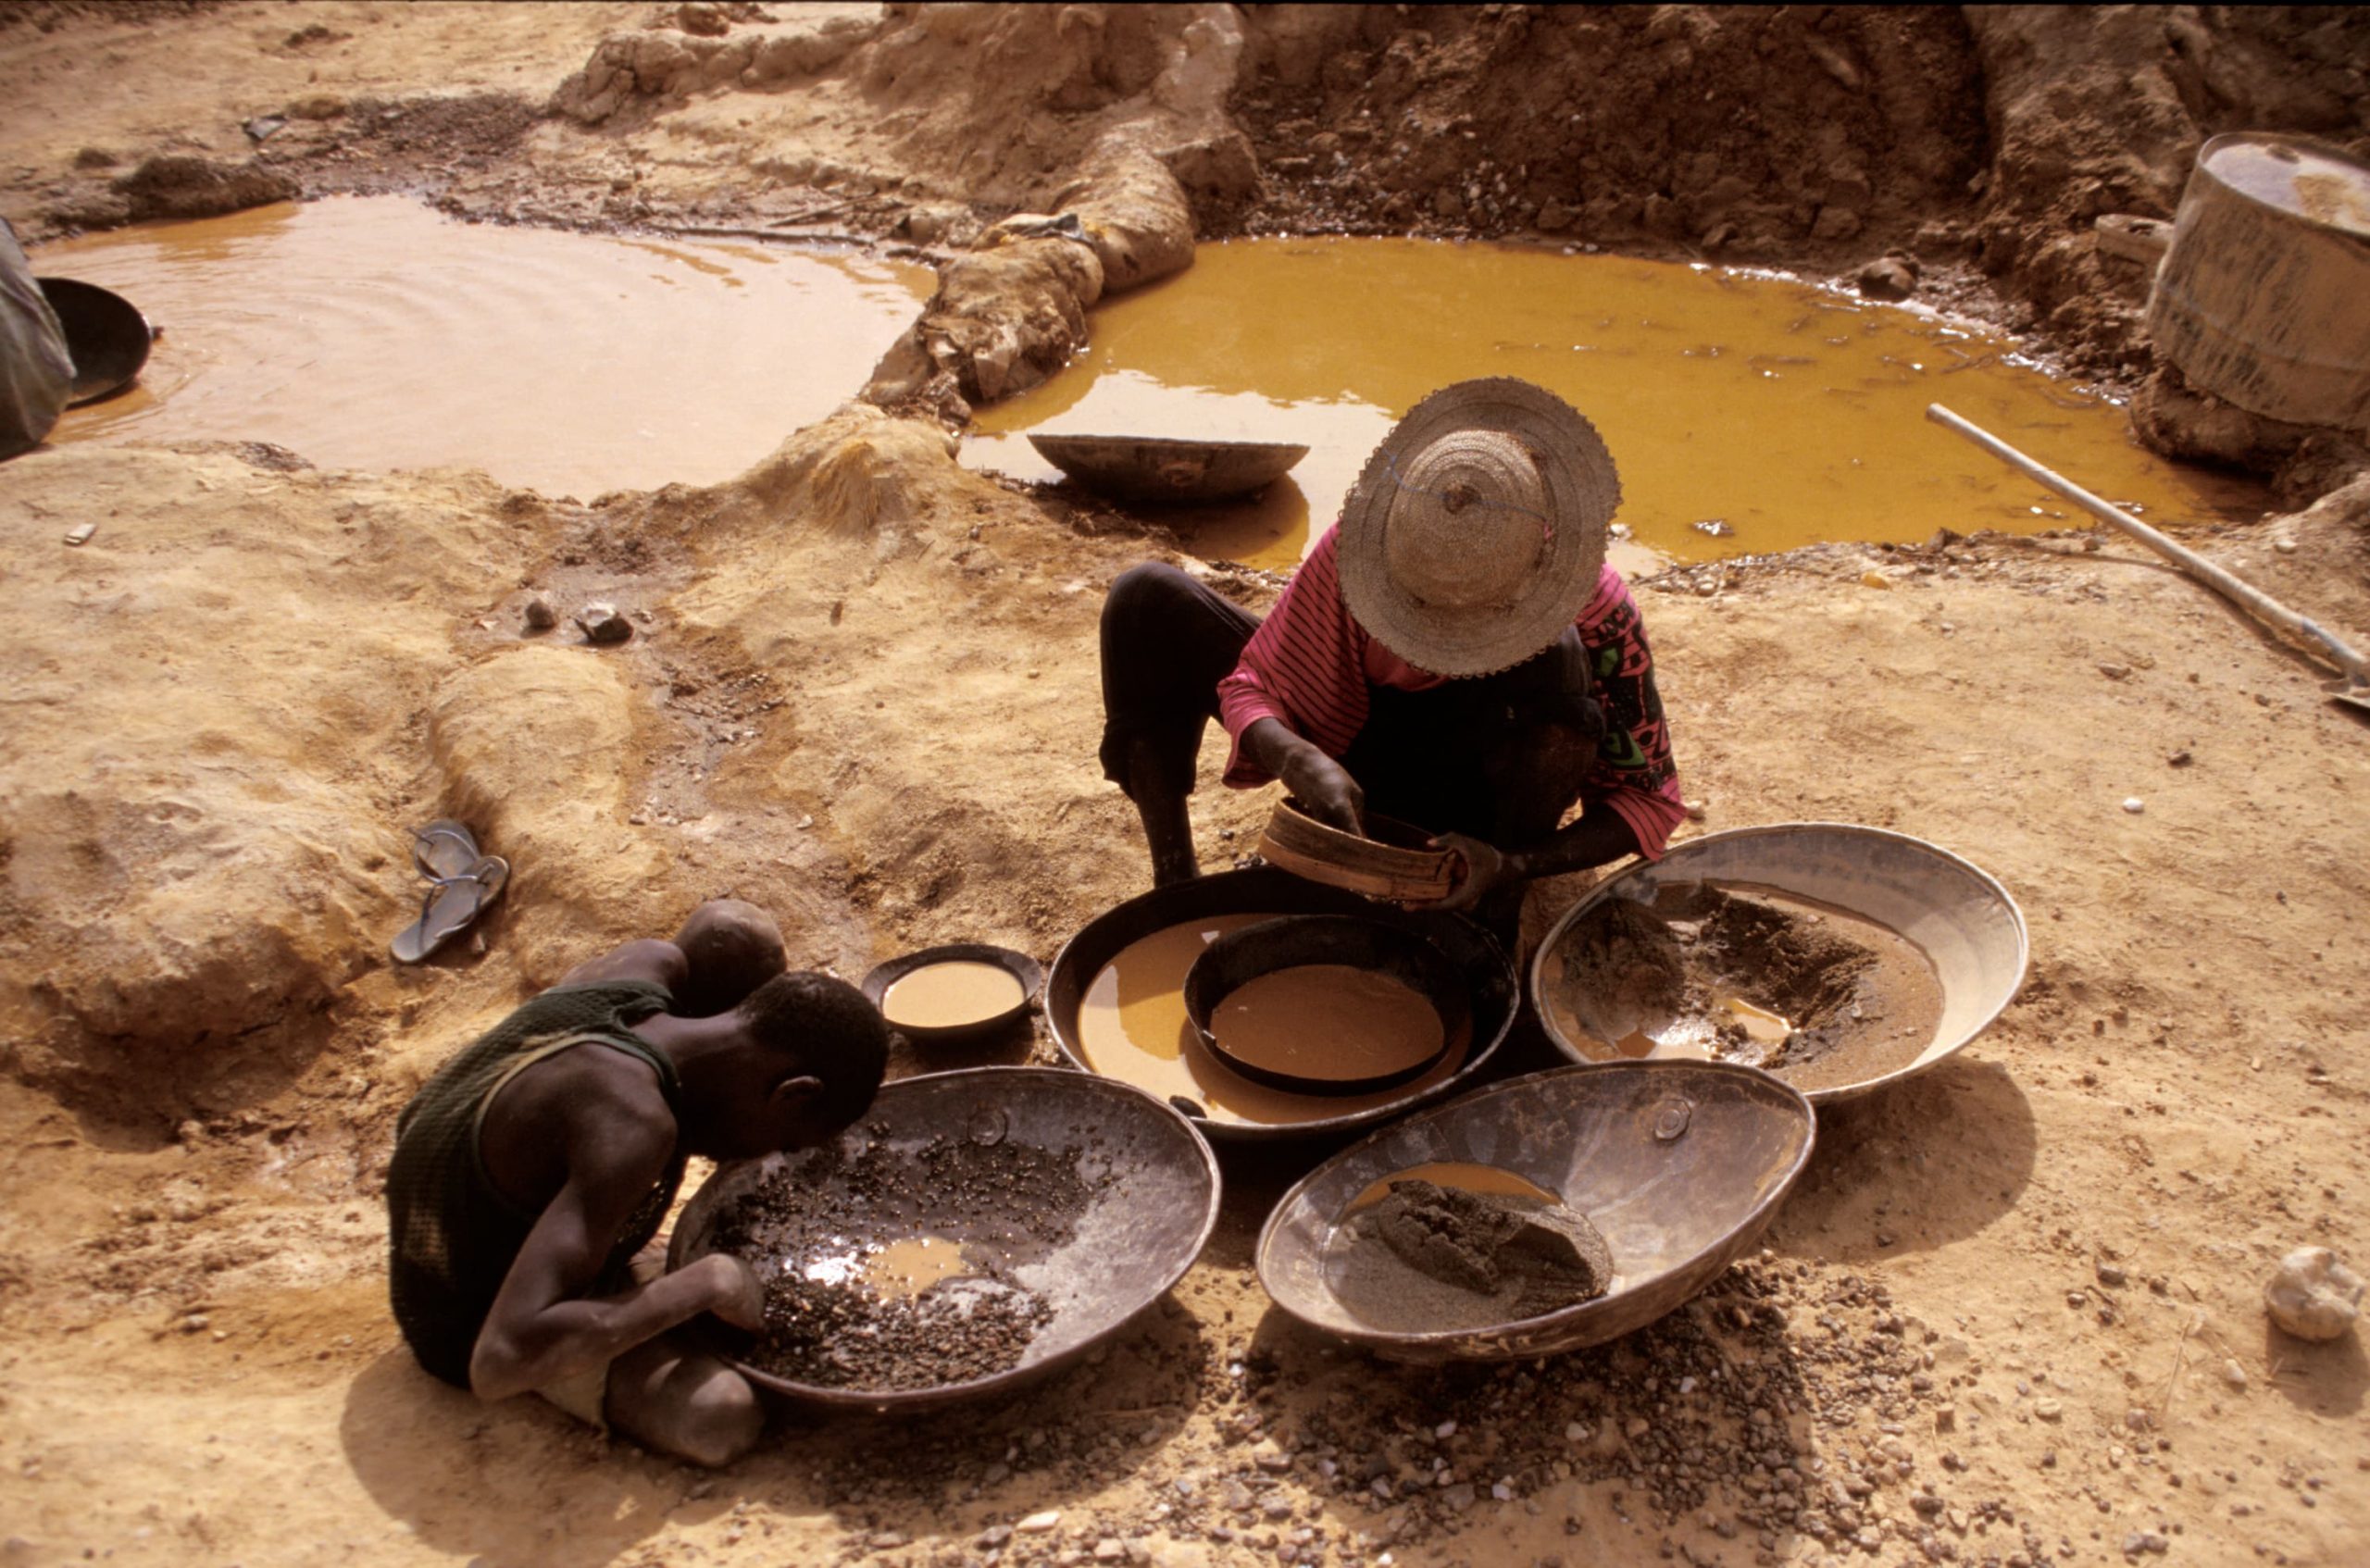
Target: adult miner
[[36, 371], [1454, 653], [536, 1164]]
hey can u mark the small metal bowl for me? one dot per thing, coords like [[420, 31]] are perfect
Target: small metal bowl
[[105, 332], [1020, 965], [1239, 957], [1680, 1165]]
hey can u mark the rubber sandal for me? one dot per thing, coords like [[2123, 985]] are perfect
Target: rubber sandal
[[445, 849], [450, 904]]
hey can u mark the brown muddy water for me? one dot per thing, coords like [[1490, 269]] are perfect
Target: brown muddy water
[[948, 996], [370, 332], [1746, 413]]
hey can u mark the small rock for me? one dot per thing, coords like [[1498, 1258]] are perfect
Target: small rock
[[994, 1535], [2115, 672], [2047, 1409], [2134, 804], [888, 1540], [539, 615], [603, 625], [2311, 1295], [1888, 277], [1873, 579], [1110, 1548], [2179, 759], [2144, 1540], [1038, 1524], [2235, 1376], [2111, 1275]]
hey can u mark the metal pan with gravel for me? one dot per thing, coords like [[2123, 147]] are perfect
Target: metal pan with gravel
[[974, 1231]]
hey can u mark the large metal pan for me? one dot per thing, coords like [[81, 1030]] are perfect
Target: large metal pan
[[105, 332], [1163, 470], [1961, 919], [1680, 1165], [1495, 995], [1154, 1204]]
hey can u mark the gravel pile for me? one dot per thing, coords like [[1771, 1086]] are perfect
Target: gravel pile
[[1008, 1204]]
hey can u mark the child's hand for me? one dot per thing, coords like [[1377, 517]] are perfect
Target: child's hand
[[740, 1299], [1480, 868]]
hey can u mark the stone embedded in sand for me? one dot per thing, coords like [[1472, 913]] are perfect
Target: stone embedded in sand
[[539, 615], [2311, 1295]]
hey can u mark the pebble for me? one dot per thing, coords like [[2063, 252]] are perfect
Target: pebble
[[603, 625], [2047, 1409], [1038, 1524], [2111, 1274], [2134, 804], [2145, 1540], [540, 614], [1110, 1548], [2311, 1295], [2234, 1375]]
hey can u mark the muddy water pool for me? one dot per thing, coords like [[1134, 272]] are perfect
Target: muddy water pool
[[1746, 413], [370, 332]]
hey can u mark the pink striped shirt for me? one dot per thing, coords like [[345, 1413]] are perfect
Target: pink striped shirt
[[1310, 664]]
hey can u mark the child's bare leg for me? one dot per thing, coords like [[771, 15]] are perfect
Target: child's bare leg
[[732, 948], [682, 1400]]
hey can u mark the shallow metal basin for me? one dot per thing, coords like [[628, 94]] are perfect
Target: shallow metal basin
[[1679, 1164], [1163, 469], [1495, 994], [1961, 919], [1139, 1232]]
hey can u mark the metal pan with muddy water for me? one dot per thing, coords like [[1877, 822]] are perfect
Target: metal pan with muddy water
[[1152, 1186], [1679, 1165], [1956, 919], [1326, 1004], [954, 994], [1125, 974]]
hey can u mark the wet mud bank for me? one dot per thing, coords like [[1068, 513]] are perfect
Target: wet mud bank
[[1960, 156]]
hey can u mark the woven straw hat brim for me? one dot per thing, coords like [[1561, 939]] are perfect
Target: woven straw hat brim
[[1583, 491]]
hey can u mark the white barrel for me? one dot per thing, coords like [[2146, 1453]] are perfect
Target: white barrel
[[2264, 299]]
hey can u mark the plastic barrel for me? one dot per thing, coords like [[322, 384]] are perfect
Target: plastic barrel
[[2264, 299]]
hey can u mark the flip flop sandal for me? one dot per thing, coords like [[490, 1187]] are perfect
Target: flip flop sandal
[[443, 850], [450, 904]]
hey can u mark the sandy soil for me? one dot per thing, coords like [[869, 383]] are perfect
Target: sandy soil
[[2012, 1315]]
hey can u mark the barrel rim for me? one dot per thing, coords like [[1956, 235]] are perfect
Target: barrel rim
[[2283, 139]]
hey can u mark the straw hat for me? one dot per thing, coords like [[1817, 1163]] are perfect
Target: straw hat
[[1476, 532]]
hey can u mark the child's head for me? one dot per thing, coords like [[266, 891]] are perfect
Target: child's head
[[805, 1060], [729, 949]]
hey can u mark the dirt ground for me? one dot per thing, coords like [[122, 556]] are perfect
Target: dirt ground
[[2011, 1316]]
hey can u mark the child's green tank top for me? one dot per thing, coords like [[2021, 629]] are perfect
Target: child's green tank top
[[452, 1235]]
